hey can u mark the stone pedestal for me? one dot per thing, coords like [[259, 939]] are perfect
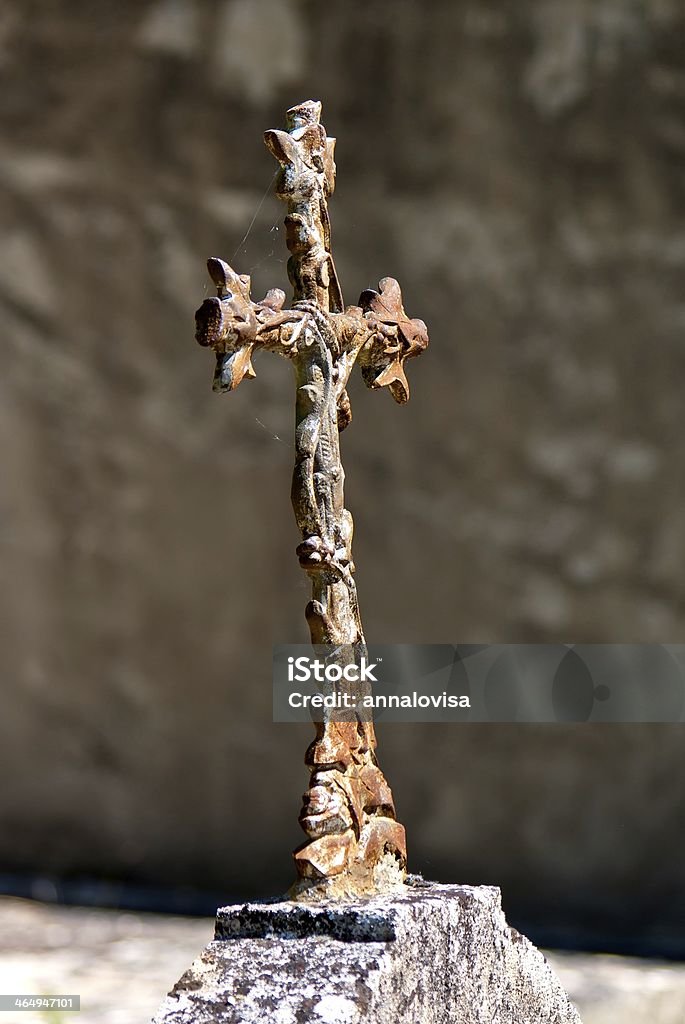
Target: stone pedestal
[[428, 954]]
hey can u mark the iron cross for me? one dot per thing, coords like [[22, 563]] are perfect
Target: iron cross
[[354, 842]]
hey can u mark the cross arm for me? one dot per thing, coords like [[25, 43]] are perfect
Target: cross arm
[[377, 333], [380, 336], [234, 326]]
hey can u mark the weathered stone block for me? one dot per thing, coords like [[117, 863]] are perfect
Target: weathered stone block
[[429, 954]]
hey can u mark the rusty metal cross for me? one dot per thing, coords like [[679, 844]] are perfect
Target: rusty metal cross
[[354, 843]]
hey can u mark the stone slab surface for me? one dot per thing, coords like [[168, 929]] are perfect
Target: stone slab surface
[[434, 954]]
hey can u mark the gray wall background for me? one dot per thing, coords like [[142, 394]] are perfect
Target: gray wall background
[[519, 168]]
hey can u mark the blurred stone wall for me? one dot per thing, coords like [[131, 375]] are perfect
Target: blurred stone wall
[[519, 168]]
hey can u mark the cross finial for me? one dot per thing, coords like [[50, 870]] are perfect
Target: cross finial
[[303, 114], [354, 843]]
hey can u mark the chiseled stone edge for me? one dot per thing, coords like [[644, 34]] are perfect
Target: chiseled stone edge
[[368, 919]]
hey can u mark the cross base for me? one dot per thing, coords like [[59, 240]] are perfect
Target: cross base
[[339, 866]]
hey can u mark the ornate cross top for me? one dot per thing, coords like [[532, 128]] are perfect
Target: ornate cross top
[[354, 844]]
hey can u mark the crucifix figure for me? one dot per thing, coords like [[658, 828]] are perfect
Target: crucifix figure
[[354, 843]]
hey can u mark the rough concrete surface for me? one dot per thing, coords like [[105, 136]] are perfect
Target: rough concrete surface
[[124, 963], [433, 954], [521, 175]]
